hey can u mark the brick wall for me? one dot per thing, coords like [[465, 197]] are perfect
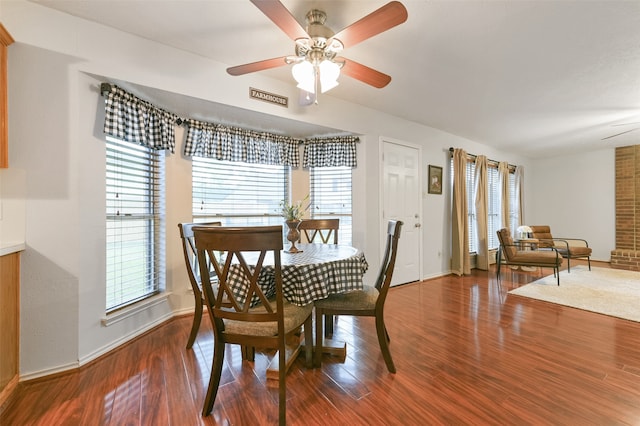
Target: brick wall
[[627, 252]]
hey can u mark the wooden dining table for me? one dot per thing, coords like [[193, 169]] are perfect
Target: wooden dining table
[[313, 273]]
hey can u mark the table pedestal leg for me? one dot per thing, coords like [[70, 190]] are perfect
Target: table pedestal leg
[[291, 354], [329, 346], [335, 347]]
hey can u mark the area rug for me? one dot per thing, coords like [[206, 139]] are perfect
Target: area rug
[[611, 292]]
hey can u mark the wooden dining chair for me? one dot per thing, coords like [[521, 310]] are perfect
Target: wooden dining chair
[[323, 229], [272, 323], [193, 271], [367, 302]]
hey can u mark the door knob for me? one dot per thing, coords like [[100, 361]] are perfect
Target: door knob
[[417, 225]]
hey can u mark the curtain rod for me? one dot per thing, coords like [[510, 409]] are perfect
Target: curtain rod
[[488, 159], [106, 88]]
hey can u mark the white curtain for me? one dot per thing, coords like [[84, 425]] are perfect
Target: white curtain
[[503, 172], [482, 253], [460, 259], [519, 175]]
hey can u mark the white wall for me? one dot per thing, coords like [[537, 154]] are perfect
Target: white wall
[[575, 196], [55, 68], [12, 209], [40, 143]]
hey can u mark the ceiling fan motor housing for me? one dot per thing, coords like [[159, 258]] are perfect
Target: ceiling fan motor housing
[[315, 26], [315, 48]]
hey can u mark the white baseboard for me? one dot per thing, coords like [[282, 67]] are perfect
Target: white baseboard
[[124, 339], [49, 371], [97, 353]]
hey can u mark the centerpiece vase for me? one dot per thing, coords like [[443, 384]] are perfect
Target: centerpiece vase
[[293, 235]]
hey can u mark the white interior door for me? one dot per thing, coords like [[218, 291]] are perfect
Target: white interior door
[[402, 195]]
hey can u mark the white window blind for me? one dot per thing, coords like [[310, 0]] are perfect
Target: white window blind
[[134, 223], [471, 206], [494, 213], [494, 217], [238, 194], [514, 211], [330, 194]]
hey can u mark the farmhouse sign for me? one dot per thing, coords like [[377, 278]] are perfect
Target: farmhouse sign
[[268, 97]]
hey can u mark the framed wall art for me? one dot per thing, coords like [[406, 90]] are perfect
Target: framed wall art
[[435, 180]]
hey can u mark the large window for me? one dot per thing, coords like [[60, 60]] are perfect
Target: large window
[[331, 197], [494, 215], [238, 194], [135, 223]]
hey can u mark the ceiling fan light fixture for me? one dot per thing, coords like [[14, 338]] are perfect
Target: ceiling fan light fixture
[[326, 73], [329, 72], [304, 73]]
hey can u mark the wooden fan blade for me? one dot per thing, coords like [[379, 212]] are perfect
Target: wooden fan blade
[[618, 134], [281, 16], [364, 73], [388, 16], [257, 66]]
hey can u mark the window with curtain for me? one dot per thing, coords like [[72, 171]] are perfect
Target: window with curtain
[[139, 135], [135, 225], [330, 162], [330, 194], [237, 193], [239, 176], [493, 204]]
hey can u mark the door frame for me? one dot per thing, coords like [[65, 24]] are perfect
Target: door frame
[[387, 140]]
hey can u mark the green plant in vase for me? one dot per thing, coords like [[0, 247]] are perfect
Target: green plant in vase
[[293, 214]]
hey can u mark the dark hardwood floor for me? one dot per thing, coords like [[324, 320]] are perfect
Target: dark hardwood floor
[[466, 353]]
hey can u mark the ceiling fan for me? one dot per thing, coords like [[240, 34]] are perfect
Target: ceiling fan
[[316, 64], [625, 132]]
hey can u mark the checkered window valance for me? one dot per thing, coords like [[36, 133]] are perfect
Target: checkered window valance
[[235, 144], [131, 119], [338, 151]]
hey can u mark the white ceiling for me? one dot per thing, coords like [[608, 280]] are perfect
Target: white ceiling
[[537, 78]]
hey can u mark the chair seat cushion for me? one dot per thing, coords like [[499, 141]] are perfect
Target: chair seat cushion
[[575, 251], [536, 257], [364, 299], [294, 316]]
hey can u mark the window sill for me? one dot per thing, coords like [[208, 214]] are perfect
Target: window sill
[[129, 311]]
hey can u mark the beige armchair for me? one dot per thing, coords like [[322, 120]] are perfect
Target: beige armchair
[[513, 254], [569, 248]]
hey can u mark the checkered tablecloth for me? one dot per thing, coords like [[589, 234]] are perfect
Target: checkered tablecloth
[[315, 273]]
